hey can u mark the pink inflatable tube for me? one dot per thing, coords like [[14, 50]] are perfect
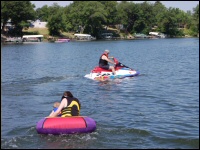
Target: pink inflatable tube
[[66, 125]]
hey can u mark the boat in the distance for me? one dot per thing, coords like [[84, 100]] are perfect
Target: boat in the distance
[[122, 71], [62, 40], [84, 37], [12, 40], [32, 38]]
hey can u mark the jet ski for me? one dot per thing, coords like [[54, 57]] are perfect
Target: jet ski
[[122, 71]]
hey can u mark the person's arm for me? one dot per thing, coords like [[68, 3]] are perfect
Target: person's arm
[[51, 113], [57, 112]]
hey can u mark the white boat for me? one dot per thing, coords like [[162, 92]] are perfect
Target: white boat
[[106, 35], [83, 37], [62, 40], [140, 36], [32, 38], [13, 40], [157, 34]]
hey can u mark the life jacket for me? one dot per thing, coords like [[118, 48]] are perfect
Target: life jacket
[[102, 61], [72, 108]]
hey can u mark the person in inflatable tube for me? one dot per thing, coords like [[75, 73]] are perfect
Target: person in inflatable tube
[[103, 62], [69, 106], [55, 107]]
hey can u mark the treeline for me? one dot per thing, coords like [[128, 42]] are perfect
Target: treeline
[[91, 16]]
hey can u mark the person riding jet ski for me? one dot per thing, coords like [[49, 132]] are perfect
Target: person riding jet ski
[[103, 62]]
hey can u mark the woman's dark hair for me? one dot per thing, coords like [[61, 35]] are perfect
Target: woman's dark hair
[[67, 93]]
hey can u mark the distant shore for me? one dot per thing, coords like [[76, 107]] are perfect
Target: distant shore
[[70, 35]]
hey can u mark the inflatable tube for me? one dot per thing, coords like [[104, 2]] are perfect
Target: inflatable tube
[[66, 125]]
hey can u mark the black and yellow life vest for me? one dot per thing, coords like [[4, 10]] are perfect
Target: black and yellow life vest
[[72, 108]]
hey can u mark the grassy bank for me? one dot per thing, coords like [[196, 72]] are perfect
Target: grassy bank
[[45, 32]]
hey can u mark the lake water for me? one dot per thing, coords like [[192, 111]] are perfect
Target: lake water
[[157, 109]]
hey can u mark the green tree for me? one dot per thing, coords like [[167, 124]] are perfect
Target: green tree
[[128, 13], [56, 22], [85, 16], [19, 12], [196, 18], [4, 15], [170, 22], [159, 11], [43, 13], [110, 7], [96, 14], [146, 17]]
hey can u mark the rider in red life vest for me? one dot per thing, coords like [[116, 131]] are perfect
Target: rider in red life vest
[[103, 62]]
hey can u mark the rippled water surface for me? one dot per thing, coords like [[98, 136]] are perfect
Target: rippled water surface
[[157, 109]]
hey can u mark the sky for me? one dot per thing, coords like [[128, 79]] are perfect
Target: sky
[[182, 5]]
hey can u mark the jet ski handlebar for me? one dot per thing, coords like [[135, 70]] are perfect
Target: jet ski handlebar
[[115, 60]]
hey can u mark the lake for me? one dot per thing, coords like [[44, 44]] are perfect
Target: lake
[[158, 109]]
